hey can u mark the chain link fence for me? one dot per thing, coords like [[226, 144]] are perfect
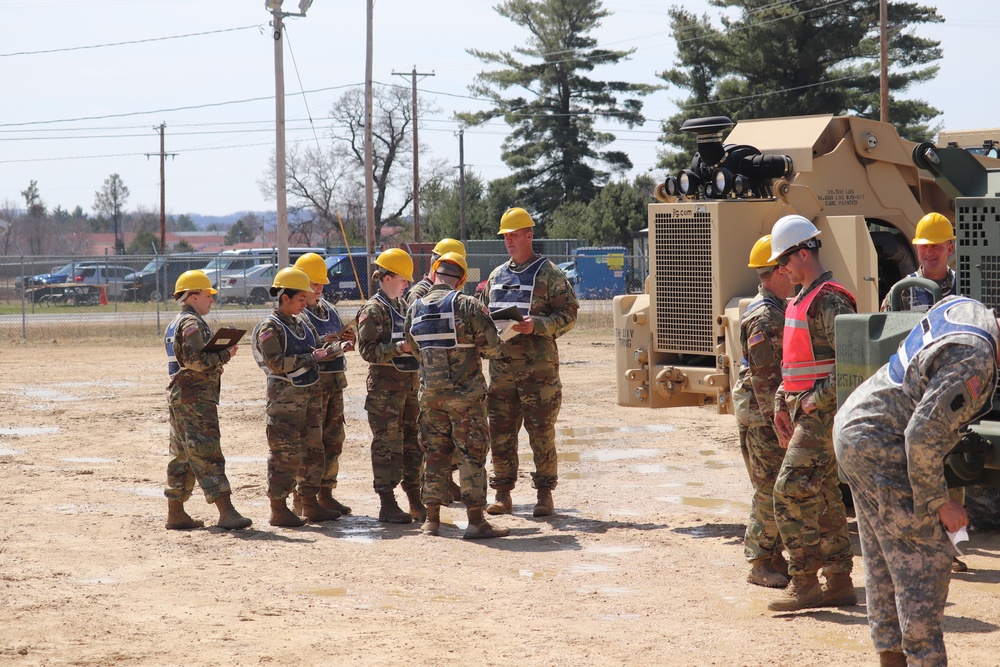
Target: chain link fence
[[115, 297]]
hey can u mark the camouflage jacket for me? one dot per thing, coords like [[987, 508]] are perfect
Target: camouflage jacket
[[457, 371], [901, 434], [200, 374], [271, 346], [906, 297], [822, 312], [376, 347], [553, 310], [760, 340], [419, 289]]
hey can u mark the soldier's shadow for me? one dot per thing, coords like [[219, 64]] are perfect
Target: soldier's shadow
[[733, 532], [267, 535], [567, 521]]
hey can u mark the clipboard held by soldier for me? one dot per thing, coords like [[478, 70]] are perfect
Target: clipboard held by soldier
[[224, 338]]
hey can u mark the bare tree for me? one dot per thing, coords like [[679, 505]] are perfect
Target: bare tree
[[109, 202], [34, 220]]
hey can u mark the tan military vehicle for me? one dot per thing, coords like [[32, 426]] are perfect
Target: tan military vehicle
[[862, 185]]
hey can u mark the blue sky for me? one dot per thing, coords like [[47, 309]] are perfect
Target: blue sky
[[115, 95]]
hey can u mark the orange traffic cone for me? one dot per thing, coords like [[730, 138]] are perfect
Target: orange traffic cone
[[104, 297]]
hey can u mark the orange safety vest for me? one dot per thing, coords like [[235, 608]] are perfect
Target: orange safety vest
[[799, 367]]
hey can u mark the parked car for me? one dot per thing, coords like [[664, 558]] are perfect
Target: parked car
[[109, 276], [58, 275], [155, 281], [341, 271], [250, 286]]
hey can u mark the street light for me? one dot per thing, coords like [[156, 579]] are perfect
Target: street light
[[274, 6]]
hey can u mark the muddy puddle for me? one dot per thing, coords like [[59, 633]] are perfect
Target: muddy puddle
[[723, 506], [328, 592], [607, 455], [47, 395], [611, 550], [4, 451], [86, 459], [27, 431]]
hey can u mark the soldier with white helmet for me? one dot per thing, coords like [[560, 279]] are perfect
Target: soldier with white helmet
[[808, 505], [193, 401]]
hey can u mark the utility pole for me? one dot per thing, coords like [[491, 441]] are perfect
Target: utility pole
[[369, 159], [161, 128], [416, 152], [884, 61], [281, 178], [461, 184]]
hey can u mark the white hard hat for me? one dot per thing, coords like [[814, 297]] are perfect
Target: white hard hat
[[790, 231]]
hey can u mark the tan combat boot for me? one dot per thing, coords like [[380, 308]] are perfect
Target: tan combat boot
[[178, 519], [229, 518], [762, 574], [296, 503], [544, 506], [328, 502], [390, 511], [417, 509], [479, 529], [803, 593], [891, 659], [838, 591], [282, 516], [312, 510], [503, 505], [433, 524], [779, 564]]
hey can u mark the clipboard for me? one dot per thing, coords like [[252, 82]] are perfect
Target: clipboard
[[510, 313], [224, 338]]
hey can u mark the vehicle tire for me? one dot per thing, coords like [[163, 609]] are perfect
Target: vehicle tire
[[895, 259], [154, 295]]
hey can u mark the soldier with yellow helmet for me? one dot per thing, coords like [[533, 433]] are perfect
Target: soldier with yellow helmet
[[392, 389], [287, 348], [524, 380], [761, 329], [332, 376], [193, 402], [934, 242]]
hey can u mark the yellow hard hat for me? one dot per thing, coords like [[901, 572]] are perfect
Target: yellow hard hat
[[397, 261], [449, 245], [760, 254], [932, 229], [290, 278], [514, 219], [193, 281], [314, 267], [457, 260]]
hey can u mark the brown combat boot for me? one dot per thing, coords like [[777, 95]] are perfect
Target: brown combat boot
[[282, 516], [544, 506], [328, 502], [479, 529], [229, 518], [779, 564], [503, 505], [312, 510], [390, 511], [178, 519], [762, 573], [417, 509], [891, 659], [432, 526], [296, 503], [803, 593], [838, 591]]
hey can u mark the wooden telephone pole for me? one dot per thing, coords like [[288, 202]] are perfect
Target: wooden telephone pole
[[416, 152], [161, 128]]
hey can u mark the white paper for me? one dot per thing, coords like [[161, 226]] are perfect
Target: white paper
[[505, 329], [960, 535]]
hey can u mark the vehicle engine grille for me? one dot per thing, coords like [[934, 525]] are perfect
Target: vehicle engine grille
[[683, 266], [977, 229]]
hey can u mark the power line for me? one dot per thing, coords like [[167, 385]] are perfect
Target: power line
[[128, 43]]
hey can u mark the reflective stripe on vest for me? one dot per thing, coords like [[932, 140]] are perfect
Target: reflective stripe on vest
[[331, 324], [294, 345], [173, 365], [514, 288], [936, 324], [406, 363], [433, 324], [800, 370]]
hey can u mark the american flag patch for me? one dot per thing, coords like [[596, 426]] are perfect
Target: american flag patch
[[756, 338], [191, 329], [975, 388], [362, 317], [264, 335]]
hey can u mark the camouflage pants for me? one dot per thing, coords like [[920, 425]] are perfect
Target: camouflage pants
[[396, 455], [512, 402], [763, 454], [455, 427], [808, 505], [332, 407], [422, 441], [195, 452], [294, 439], [898, 546]]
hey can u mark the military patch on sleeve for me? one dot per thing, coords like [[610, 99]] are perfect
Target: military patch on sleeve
[[362, 317], [191, 329], [974, 386], [756, 338], [265, 335]]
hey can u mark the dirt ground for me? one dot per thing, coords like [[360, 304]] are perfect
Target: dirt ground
[[643, 563]]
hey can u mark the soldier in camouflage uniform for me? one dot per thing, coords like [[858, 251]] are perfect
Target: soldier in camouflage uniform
[[417, 290], [935, 245], [760, 374], [524, 380], [448, 332], [808, 504], [332, 376], [193, 401], [287, 348], [891, 437], [392, 389]]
